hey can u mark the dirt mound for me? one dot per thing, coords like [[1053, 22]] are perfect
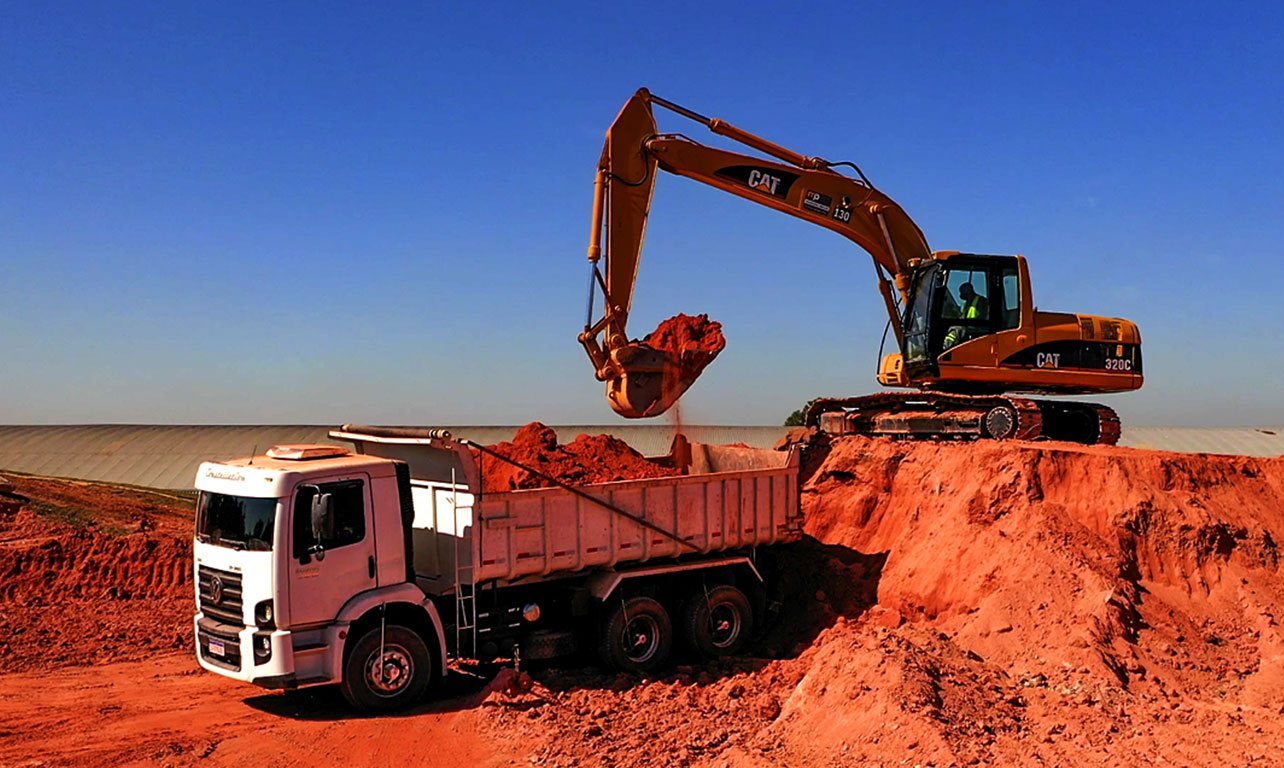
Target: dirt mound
[[1068, 554], [91, 572], [962, 604], [693, 340], [586, 459]]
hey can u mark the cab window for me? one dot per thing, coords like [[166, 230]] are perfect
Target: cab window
[[967, 295], [348, 507], [917, 326], [1011, 316], [965, 309]]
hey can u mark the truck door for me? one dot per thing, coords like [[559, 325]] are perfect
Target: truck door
[[327, 570]]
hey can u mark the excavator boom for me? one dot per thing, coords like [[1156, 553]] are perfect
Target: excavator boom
[[643, 381]]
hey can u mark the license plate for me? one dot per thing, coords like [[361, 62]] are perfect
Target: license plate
[[216, 648]]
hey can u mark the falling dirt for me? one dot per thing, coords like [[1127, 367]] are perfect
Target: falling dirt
[[692, 340], [954, 604], [586, 459]]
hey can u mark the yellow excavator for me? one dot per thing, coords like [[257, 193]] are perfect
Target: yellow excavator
[[969, 338]]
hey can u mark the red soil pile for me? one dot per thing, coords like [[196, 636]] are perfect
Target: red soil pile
[[692, 340], [982, 604], [92, 572], [586, 459]]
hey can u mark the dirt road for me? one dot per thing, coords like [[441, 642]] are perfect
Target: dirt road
[[166, 712]]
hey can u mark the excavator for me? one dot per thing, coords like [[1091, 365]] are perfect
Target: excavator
[[970, 343]]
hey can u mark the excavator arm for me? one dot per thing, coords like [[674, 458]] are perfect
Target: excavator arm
[[644, 381]]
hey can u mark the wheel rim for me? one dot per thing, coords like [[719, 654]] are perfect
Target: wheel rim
[[641, 638], [389, 671], [724, 625]]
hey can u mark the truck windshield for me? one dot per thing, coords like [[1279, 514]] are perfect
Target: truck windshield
[[239, 522]]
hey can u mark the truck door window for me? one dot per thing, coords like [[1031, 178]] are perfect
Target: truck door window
[[347, 505]]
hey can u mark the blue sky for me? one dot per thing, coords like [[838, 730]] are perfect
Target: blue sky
[[327, 212]]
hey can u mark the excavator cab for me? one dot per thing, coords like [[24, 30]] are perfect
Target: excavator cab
[[952, 302]]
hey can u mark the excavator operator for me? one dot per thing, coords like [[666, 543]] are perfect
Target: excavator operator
[[975, 307]]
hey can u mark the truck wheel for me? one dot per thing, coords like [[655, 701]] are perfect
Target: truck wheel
[[637, 636], [386, 670], [718, 622]]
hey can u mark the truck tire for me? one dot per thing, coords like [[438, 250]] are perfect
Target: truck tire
[[388, 670], [637, 636], [718, 622]]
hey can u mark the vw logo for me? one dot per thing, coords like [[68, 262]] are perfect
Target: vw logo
[[216, 590]]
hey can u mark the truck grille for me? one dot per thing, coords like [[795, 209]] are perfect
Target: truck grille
[[220, 595]]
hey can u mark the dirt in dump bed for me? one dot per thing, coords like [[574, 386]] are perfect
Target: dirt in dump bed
[[586, 459], [976, 604], [92, 572], [693, 340]]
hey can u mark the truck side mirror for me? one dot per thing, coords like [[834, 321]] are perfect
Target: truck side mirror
[[322, 523]]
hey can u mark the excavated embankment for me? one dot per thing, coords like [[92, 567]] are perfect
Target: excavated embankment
[[980, 604]]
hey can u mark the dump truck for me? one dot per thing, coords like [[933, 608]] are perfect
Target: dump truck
[[377, 567]]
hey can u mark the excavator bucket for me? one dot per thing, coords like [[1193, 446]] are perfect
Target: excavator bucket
[[651, 380]]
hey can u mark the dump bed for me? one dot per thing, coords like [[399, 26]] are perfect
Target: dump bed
[[732, 498], [549, 530]]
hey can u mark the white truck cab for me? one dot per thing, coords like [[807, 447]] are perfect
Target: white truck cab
[[293, 548]]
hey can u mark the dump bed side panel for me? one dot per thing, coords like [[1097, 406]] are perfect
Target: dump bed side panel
[[535, 533], [736, 497]]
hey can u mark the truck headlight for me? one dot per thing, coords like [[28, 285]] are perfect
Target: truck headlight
[[265, 615]]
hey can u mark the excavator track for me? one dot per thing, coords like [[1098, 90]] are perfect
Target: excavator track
[[945, 415], [1108, 422]]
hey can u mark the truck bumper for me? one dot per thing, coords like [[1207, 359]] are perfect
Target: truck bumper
[[263, 657]]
